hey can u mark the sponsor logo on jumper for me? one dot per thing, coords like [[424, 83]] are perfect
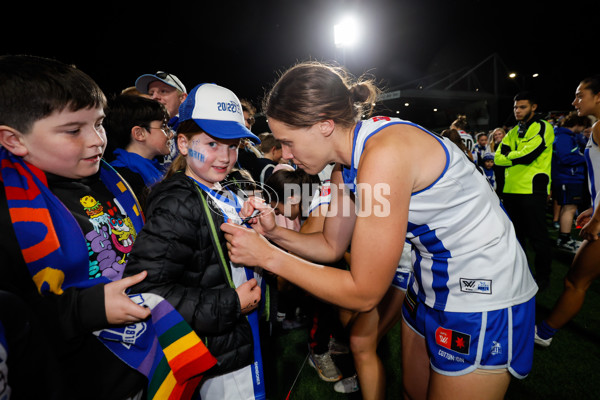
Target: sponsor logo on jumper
[[483, 286], [453, 340]]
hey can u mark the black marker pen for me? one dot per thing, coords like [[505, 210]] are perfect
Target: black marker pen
[[254, 214]]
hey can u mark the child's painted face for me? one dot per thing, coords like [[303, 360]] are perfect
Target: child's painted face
[[209, 159], [67, 143]]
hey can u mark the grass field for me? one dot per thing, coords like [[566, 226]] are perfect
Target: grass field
[[568, 369]]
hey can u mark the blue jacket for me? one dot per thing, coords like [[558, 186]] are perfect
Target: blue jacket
[[568, 163]]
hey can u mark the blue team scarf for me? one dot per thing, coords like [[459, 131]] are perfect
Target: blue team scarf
[[232, 200], [55, 251], [149, 170]]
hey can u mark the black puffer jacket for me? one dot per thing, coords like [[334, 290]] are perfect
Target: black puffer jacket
[[176, 249]]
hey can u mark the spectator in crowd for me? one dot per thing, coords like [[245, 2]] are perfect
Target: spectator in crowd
[[526, 152], [271, 149], [585, 267], [168, 90], [132, 91], [568, 177], [455, 138], [138, 132], [165, 88], [488, 169], [249, 154], [497, 135], [461, 124], [480, 148]]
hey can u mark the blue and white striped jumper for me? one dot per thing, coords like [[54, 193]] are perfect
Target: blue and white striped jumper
[[466, 256]]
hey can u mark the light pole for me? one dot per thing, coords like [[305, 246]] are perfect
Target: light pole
[[345, 35]]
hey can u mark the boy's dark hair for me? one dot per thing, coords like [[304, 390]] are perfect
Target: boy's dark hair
[[267, 142], [248, 107], [526, 95], [126, 111], [275, 186], [573, 119], [32, 88]]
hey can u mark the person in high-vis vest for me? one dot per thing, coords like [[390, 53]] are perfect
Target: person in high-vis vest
[[526, 152]]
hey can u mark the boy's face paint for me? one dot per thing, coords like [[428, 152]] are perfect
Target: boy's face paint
[[67, 143], [209, 159]]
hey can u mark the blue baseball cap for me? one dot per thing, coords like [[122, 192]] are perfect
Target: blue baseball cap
[[217, 111]]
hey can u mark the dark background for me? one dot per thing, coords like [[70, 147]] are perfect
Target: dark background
[[244, 45]]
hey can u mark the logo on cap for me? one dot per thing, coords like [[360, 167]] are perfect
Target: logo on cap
[[232, 106]]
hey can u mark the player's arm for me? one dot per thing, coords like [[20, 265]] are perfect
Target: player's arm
[[328, 244], [376, 247]]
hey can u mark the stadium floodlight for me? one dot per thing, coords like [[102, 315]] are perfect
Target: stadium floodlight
[[346, 33]]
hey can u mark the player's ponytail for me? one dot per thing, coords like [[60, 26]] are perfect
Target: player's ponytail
[[460, 123], [364, 95]]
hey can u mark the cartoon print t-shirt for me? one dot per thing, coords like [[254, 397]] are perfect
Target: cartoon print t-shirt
[[108, 230]]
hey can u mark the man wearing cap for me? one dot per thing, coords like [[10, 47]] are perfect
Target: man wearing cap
[[165, 88], [168, 90]]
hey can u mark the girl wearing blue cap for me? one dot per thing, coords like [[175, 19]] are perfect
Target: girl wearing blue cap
[[185, 253]]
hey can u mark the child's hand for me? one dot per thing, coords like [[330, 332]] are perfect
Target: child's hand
[[120, 309], [249, 294]]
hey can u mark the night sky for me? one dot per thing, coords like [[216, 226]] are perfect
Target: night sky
[[243, 45]]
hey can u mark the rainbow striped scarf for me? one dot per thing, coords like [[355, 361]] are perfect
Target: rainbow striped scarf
[[172, 358], [164, 348]]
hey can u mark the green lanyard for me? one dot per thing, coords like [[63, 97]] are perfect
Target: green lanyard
[[221, 254]]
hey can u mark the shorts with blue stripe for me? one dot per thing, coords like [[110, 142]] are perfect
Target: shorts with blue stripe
[[459, 343]]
